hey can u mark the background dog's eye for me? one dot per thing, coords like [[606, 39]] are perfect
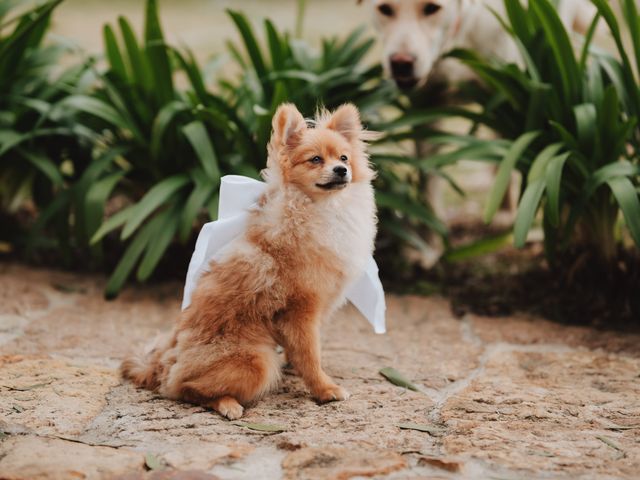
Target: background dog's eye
[[315, 160], [431, 8], [343, 158], [385, 9]]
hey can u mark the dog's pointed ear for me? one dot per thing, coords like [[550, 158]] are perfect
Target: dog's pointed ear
[[288, 125], [346, 121]]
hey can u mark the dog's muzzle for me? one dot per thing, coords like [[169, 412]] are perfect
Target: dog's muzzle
[[402, 70], [339, 179]]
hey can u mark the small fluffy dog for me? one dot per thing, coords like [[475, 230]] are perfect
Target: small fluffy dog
[[308, 238]]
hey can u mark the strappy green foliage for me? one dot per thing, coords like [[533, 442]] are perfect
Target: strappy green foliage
[[34, 144], [156, 148], [571, 119]]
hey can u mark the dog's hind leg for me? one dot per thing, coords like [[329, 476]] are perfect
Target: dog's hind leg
[[225, 384]]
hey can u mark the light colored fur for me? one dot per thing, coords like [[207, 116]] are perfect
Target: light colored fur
[[422, 40], [303, 246], [457, 24]]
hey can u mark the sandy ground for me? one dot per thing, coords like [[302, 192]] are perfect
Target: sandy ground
[[503, 398]]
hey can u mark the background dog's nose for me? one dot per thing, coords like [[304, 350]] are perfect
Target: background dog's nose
[[340, 171], [402, 65]]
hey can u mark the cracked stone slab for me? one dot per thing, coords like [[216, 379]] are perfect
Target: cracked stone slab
[[20, 291], [85, 325], [562, 410], [500, 397], [52, 396], [317, 463], [35, 458], [537, 331], [168, 475]]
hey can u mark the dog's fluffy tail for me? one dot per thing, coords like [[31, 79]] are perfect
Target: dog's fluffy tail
[[141, 371], [144, 370]]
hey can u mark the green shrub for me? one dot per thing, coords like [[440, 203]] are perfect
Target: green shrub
[[289, 69], [164, 151], [34, 145], [569, 126], [164, 148]]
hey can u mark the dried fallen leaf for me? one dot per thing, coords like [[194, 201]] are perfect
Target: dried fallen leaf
[[27, 388], [445, 464], [152, 462], [610, 443], [66, 288], [431, 430], [622, 427], [261, 427], [397, 378]]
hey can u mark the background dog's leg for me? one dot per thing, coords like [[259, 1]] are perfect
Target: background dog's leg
[[431, 186]]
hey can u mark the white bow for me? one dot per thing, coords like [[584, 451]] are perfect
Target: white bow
[[237, 195]]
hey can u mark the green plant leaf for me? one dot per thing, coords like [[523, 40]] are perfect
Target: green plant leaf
[[154, 198], [165, 232], [430, 429], [197, 201], [412, 208], [397, 378], [250, 43], [539, 164], [114, 55], [261, 427], [503, 177], [197, 135], [553, 180], [557, 37], [95, 107], [526, 211], [136, 61], [627, 197], [163, 120], [46, 166], [96, 199], [618, 169], [478, 248], [131, 255], [156, 53], [115, 221], [152, 462]]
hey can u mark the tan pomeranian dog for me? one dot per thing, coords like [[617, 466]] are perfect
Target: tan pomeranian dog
[[305, 242]]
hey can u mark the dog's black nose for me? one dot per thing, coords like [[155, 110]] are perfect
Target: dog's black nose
[[402, 65], [340, 170]]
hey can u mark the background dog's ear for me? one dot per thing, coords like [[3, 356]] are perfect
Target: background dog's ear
[[346, 121], [288, 125]]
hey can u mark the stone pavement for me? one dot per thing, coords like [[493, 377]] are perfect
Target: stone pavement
[[502, 398]]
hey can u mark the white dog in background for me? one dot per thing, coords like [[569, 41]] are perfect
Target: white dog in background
[[417, 33]]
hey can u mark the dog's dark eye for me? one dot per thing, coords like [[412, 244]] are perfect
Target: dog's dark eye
[[385, 9], [343, 158], [316, 160], [430, 8]]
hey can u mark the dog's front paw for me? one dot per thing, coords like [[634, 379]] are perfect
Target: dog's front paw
[[228, 407], [331, 393], [232, 412]]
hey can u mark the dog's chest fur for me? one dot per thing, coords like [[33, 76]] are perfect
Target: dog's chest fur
[[323, 244]]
